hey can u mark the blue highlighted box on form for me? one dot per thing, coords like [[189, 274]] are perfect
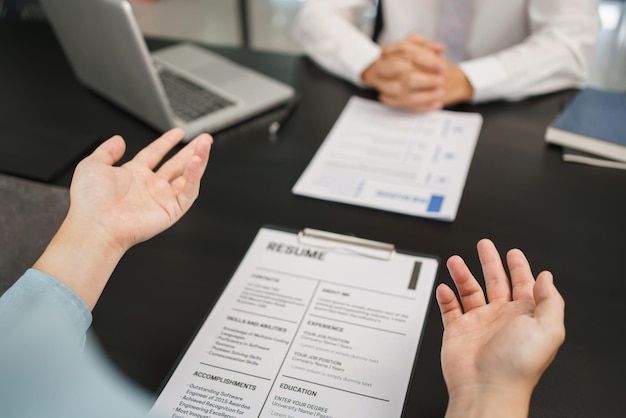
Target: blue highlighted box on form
[[435, 203]]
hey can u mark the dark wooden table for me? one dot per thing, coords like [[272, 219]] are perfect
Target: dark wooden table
[[568, 218]]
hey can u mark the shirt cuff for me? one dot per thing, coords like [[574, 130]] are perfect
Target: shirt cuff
[[37, 291], [360, 60], [486, 76]]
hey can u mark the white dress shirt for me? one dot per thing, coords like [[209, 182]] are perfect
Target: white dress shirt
[[515, 48]]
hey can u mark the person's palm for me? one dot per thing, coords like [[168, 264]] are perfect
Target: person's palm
[[509, 340], [132, 203], [483, 342]]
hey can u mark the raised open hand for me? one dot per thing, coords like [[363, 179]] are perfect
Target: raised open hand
[[113, 208], [135, 201], [495, 350]]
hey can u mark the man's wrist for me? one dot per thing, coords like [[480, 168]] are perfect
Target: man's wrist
[[458, 88], [368, 76]]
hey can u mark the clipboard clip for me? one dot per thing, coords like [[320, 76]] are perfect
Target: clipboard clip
[[346, 243]]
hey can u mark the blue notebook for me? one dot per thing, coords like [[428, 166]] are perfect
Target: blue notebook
[[594, 122]]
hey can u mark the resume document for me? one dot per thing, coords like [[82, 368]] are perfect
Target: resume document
[[306, 331], [395, 160]]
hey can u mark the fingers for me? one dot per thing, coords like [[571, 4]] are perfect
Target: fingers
[[550, 306], [413, 90], [401, 84], [423, 81], [190, 186], [471, 293], [176, 165], [110, 151], [152, 155], [398, 68], [408, 82], [421, 53], [409, 75], [448, 304], [390, 67], [522, 279], [421, 101], [420, 40], [496, 279]]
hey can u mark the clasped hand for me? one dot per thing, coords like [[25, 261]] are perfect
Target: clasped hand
[[413, 74]]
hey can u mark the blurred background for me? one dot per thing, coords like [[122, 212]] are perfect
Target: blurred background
[[267, 25]]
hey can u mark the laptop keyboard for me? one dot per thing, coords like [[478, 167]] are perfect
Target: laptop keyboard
[[189, 100]]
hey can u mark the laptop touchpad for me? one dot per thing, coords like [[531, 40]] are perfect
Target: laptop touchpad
[[218, 73], [200, 62]]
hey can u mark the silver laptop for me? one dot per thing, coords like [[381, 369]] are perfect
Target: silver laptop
[[183, 86]]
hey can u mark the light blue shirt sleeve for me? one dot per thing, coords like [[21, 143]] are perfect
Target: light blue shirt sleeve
[[46, 369], [36, 289]]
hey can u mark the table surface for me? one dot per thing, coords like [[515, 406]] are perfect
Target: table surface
[[568, 218]]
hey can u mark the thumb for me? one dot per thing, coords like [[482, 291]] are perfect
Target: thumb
[[110, 151]]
